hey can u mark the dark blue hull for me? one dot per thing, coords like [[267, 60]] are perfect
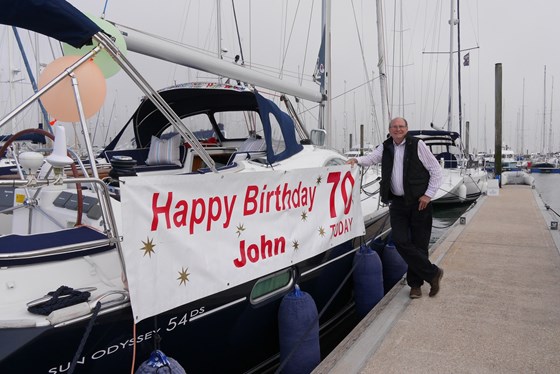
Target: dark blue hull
[[223, 333], [545, 170]]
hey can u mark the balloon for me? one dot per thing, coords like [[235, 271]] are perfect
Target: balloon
[[107, 65], [60, 100]]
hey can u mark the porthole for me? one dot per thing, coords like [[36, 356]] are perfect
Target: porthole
[[272, 286]]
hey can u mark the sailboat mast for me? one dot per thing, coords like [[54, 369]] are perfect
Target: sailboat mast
[[550, 118], [219, 32], [523, 119], [11, 82], [452, 22], [42, 110], [459, 70], [544, 115], [385, 113], [325, 105]]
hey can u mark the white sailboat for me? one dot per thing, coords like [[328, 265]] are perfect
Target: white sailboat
[[465, 180], [197, 236]]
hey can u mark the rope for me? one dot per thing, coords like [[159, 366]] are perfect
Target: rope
[[133, 348], [61, 298], [552, 210], [95, 312]]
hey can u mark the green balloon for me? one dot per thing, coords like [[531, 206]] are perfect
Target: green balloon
[[107, 65]]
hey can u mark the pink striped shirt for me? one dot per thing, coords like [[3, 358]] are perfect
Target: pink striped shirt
[[426, 157]]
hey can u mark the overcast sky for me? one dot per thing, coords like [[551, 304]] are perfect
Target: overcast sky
[[521, 35]]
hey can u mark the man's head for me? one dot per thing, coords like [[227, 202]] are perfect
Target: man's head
[[398, 128]]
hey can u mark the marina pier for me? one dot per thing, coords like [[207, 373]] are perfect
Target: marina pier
[[497, 310]]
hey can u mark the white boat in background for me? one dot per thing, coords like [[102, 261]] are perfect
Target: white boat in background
[[510, 161], [517, 177], [463, 179]]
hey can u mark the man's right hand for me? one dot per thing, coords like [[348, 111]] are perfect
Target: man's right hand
[[352, 162]]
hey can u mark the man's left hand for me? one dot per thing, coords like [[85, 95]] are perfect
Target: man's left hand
[[423, 202]]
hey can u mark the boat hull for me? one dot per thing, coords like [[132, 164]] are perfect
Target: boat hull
[[224, 332]]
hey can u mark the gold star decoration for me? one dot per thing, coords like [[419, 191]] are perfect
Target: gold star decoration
[[240, 229], [319, 180], [183, 276], [304, 216], [148, 247], [295, 245], [321, 231]]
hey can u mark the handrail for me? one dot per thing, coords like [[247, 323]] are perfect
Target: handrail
[[106, 209], [63, 249]]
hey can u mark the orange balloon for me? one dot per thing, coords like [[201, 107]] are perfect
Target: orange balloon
[[60, 100]]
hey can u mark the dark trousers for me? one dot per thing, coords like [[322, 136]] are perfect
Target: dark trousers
[[411, 230]]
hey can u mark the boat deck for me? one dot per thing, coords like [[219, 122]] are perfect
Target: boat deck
[[497, 310]]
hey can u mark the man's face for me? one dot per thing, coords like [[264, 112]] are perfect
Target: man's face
[[398, 130]]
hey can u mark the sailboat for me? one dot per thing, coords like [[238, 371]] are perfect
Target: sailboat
[[464, 179], [195, 239]]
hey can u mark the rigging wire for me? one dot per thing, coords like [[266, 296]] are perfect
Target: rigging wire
[[307, 40], [285, 51], [342, 94], [370, 89], [238, 36]]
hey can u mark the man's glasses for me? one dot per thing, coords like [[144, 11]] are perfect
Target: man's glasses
[[398, 127]]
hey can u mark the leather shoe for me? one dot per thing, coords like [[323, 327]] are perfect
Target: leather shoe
[[435, 283], [415, 292]]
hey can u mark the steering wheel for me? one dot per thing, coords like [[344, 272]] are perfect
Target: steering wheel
[[47, 134]]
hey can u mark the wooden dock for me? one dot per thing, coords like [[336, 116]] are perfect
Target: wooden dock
[[498, 310]]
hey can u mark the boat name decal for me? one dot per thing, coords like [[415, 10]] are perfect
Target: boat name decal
[[62, 368]]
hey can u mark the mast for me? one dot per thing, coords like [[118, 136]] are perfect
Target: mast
[[523, 119], [385, 114], [42, 110], [11, 75], [544, 116], [550, 118], [327, 92], [323, 71], [459, 69], [219, 33], [452, 22]]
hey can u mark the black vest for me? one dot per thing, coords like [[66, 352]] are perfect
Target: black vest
[[416, 176]]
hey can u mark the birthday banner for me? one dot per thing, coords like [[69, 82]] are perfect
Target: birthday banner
[[186, 237]]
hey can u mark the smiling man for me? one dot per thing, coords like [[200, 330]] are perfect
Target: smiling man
[[410, 177]]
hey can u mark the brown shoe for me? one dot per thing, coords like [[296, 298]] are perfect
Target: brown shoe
[[435, 283], [415, 292]]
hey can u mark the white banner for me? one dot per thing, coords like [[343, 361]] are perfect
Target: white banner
[[189, 236]]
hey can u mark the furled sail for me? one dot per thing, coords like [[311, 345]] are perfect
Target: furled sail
[[54, 18]]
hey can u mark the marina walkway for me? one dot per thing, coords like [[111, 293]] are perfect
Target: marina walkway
[[498, 310]]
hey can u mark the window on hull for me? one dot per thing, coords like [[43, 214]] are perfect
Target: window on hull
[[272, 286]]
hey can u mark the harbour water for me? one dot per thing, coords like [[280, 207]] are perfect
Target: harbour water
[[445, 216], [548, 187]]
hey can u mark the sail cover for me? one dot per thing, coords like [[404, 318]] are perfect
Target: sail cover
[[54, 18]]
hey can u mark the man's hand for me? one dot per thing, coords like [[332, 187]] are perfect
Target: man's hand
[[423, 202], [352, 162]]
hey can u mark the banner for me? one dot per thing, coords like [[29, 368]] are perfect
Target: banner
[[186, 237]]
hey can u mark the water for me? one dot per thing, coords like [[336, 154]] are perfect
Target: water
[[547, 185], [445, 216]]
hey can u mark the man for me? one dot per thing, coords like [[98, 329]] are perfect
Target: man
[[410, 177]]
